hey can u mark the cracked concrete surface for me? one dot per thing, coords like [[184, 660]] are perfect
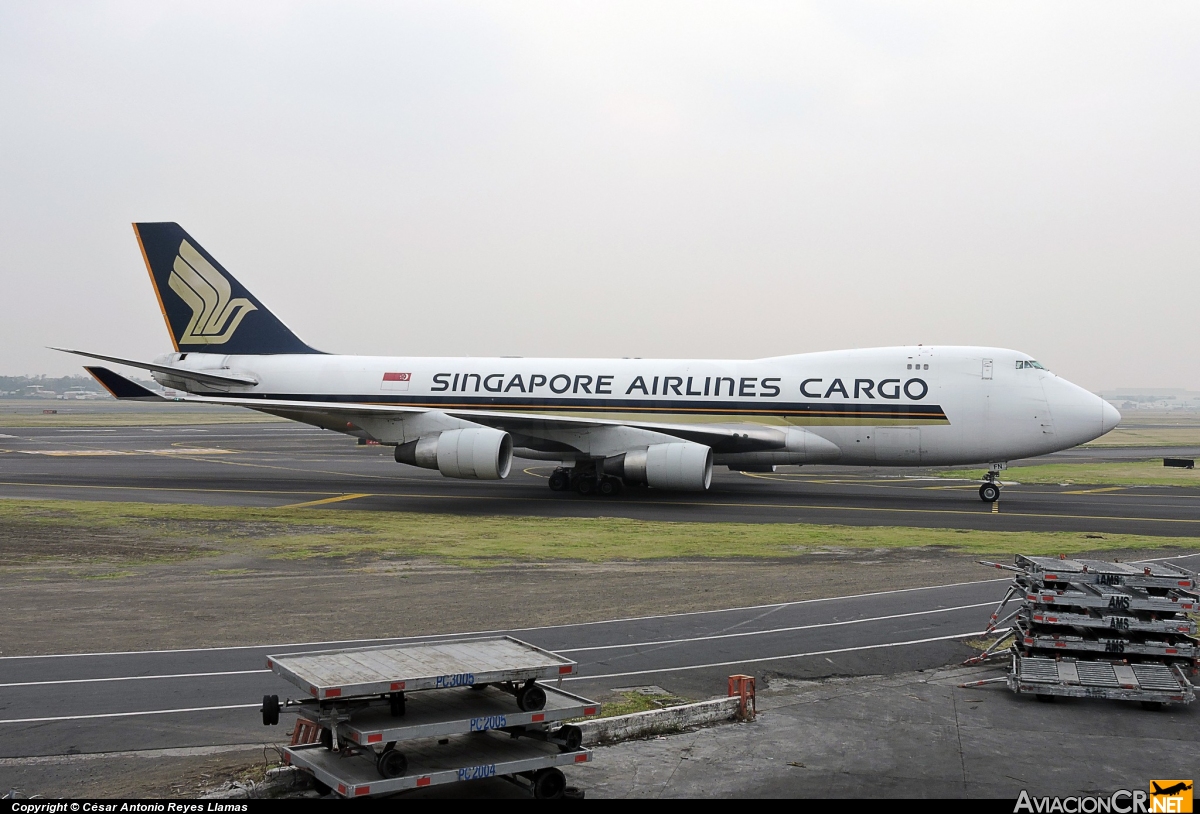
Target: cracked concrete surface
[[909, 735]]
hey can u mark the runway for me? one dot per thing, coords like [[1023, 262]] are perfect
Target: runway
[[105, 702], [277, 465], [56, 705]]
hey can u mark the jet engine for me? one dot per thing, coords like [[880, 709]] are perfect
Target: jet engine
[[681, 465], [476, 453]]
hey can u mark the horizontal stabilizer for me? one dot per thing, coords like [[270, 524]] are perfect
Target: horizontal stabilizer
[[203, 376], [120, 387]]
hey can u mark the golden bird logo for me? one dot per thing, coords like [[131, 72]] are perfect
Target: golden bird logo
[[215, 313]]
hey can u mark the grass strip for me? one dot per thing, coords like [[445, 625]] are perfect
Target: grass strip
[[185, 531], [1125, 473]]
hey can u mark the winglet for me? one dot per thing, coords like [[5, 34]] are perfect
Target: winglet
[[120, 387]]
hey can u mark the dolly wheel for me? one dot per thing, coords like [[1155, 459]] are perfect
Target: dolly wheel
[[531, 698], [270, 710], [549, 784], [573, 736], [391, 763]]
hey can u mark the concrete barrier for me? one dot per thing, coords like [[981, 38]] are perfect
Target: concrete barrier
[[658, 721]]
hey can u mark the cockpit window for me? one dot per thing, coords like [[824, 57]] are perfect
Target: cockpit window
[[1024, 363]]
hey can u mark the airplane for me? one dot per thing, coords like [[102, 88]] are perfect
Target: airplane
[[607, 423], [1170, 791]]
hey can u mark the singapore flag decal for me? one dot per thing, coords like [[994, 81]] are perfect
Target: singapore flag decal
[[395, 381]]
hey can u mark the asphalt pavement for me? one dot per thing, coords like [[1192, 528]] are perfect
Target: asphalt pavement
[[103, 702], [273, 465]]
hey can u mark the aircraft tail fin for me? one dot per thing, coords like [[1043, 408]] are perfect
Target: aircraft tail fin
[[206, 309]]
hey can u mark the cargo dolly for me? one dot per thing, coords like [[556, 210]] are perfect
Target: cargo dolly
[[380, 720], [1092, 629]]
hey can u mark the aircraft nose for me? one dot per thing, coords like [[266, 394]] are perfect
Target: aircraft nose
[[1110, 416]]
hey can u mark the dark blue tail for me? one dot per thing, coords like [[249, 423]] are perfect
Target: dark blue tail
[[206, 309]]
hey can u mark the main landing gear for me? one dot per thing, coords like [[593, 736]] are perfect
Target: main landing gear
[[990, 491], [585, 478]]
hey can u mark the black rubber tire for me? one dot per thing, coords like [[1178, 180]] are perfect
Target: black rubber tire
[[478, 687], [270, 710], [531, 698], [573, 736], [1045, 699], [391, 764], [549, 784], [608, 487], [585, 486], [989, 493], [560, 481]]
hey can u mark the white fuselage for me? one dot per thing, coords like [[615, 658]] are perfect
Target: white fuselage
[[901, 406]]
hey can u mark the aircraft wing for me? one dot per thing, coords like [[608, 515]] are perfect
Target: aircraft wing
[[342, 415]]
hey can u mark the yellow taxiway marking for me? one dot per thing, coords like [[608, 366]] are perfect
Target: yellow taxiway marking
[[1094, 491], [675, 504], [996, 507], [174, 450], [323, 501]]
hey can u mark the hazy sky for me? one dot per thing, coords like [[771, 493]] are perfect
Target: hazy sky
[[606, 179]]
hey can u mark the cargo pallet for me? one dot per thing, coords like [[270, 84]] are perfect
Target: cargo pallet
[[1094, 629], [381, 720]]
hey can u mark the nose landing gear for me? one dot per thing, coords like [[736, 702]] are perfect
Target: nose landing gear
[[990, 491]]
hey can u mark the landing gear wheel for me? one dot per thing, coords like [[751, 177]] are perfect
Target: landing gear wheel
[[610, 486], [396, 704], [531, 698], [270, 710], [989, 493], [549, 784], [586, 486], [391, 763], [573, 736], [559, 481]]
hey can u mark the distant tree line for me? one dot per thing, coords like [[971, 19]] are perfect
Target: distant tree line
[[24, 386]]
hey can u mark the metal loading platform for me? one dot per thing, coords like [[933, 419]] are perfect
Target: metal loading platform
[[380, 720], [1092, 629]]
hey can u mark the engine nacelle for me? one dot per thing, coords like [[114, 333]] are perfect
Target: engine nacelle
[[681, 465], [476, 453]]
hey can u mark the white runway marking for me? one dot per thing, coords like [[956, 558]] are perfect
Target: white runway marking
[[510, 630], [136, 678], [574, 678], [124, 714], [574, 650], [774, 658], [773, 630]]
